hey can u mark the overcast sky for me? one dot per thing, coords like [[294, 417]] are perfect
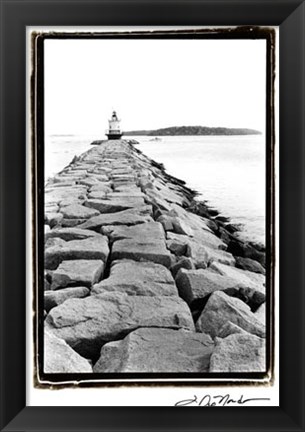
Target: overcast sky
[[153, 84]]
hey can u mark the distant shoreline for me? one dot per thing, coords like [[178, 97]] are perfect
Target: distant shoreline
[[193, 130]]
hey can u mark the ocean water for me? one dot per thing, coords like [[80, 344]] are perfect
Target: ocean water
[[59, 150], [227, 171]]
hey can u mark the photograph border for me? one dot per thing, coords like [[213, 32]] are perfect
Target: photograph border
[[206, 379], [15, 16]]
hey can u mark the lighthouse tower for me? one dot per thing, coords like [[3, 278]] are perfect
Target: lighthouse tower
[[114, 131]]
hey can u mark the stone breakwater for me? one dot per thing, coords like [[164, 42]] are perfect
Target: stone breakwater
[[140, 277]]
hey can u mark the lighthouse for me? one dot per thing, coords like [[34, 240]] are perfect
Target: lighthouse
[[114, 131]]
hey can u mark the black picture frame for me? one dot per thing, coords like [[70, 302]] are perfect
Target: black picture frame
[[15, 16]]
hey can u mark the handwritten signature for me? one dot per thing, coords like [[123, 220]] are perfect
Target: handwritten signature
[[218, 400]]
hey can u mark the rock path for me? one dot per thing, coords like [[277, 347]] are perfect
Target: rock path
[[139, 277]]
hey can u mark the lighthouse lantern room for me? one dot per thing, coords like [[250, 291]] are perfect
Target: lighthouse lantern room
[[114, 131]]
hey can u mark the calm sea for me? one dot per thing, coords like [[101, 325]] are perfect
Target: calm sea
[[227, 171]]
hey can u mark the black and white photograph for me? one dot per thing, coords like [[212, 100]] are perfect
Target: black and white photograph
[[155, 207]]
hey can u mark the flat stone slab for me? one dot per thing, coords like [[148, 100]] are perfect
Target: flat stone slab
[[113, 205], [54, 298], [122, 177], [66, 180], [95, 247], [76, 211], [221, 308], [65, 202], [137, 278], [59, 357], [100, 187], [58, 194], [87, 324], [127, 189], [126, 217], [132, 193], [239, 353], [136, 250], [77, 272], [70, 223], [146, 231], [68, 234], [157, 350], [100, 177], [78, 170], [99, 194], [90, 181]]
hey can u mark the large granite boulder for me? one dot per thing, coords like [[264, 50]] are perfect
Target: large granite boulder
[[76, 211], [131, 193], [100, 177], [87, 324], [242, 277], [246, 250], [54, 298], [157, 350], [249, 264], [99, 194], [70, 223], [155, 199], [177, 247], [229, 328], [122, 178], [64, 181], [77, 272], [166, 222], [195, 285], [161, 191], [260, 313], [68, 234], [101, 187], [51, 207], [200, 227], [71, 201], [128, 189], [59, 357], [138, 250], [221, 308], [183, 262], [142, 232], [239, 352], [95, 247], [137, 278], [54, 241], [58, 194], [113, 205], [89, 181], [249, 296], [53, 219], [203, 248]]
